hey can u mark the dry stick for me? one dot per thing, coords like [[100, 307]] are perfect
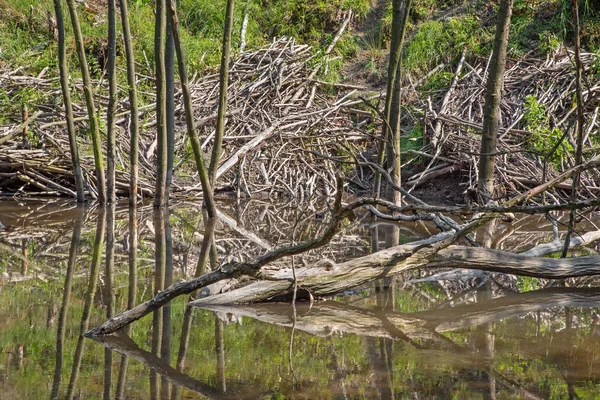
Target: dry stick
[[580, 122], [22, 126], [229, 270], [133, 104], [438, 124], [112, 103], [223, 86], [89, 101], [161, 191], [189, 115]]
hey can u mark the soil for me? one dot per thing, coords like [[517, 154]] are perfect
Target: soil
[[446, 190], [367, 68]]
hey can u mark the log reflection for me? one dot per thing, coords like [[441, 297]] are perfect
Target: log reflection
[[126, 346]]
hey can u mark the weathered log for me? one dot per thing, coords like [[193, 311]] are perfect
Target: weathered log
[[328, 278]]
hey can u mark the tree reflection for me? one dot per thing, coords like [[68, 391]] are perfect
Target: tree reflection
[[64, 308]]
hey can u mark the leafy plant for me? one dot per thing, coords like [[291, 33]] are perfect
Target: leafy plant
[[544, 137]]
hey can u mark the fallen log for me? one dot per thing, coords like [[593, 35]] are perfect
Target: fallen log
[[328, 278]]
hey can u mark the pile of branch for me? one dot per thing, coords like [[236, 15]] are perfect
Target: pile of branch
[[283, 134], [455, 122]]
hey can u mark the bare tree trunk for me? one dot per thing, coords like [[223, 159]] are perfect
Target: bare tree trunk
[[133, 105], [396, 100], [207, 190], [162, 193], [492, 117], [391, 123], [223, 85], [170, 101], [64, 83], [580, 122], [89, 102], [112, 102]]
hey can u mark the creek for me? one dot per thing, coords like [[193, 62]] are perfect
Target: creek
[[484, 336]]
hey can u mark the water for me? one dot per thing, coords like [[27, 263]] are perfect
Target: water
[[391, 339]]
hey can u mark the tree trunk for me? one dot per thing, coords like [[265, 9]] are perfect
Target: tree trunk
[[492, 117], [112, 102], [133, 105], [170, 100], [89, 102], [391, 123], [66, 91], [162, 194], [580, 122], [223, 85], [207, 190]]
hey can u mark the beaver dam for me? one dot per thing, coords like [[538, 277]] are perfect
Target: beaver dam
[[289, 134]]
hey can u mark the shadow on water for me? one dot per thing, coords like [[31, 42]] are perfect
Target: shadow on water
[[390, 339]]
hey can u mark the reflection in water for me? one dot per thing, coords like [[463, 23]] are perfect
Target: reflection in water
[[109, 295], [64, 307], [384, 341], [89, 297]]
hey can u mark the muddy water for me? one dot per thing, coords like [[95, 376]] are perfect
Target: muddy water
[[502, 339]]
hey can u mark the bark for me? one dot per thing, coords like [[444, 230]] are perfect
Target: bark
[[66, 91], [207, 190], [162, 193], [89, 102], [329, 278], [223, 85], [492, 117], [112, 103], [133, 104]]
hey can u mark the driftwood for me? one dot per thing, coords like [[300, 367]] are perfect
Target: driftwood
[[328, 278]]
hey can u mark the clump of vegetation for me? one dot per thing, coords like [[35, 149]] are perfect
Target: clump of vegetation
[[545, 137], [439, 41]]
